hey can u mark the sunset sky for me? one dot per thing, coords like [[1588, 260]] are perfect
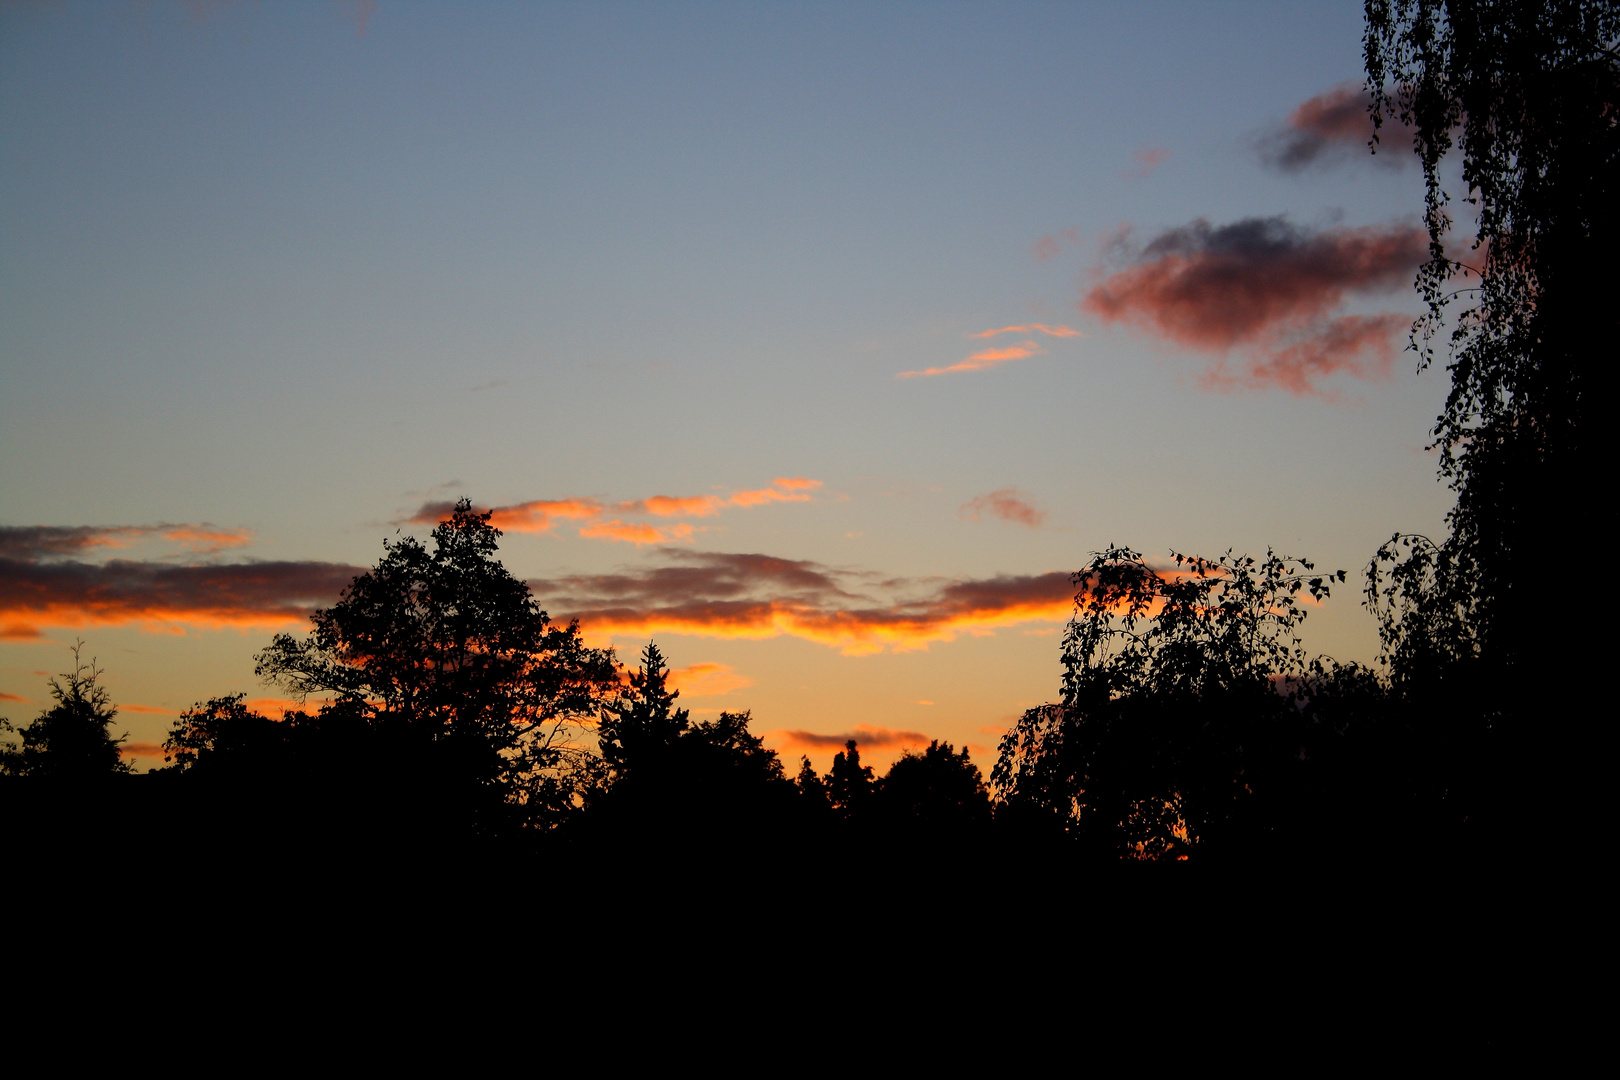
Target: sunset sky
[[821, 342]]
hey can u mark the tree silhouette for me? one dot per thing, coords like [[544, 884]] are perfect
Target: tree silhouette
[[1530, 96], [678, 781], [71, 740], [640, 726], [936, 790], [850, 785], [448, 659], [1179, 717]]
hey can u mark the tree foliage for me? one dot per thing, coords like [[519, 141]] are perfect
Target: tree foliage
[[1180, 708], [936, 789], [1528, 94], [444, 646], [71, 740]]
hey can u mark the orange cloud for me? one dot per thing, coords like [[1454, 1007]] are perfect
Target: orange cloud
[[766, 495], [13, 697], [673, 506], [865, 736], [140, 749], [1008, 504], [147, 709], [635, 532], [981, 361], [540, 515], [737, 596], [1029, 328], [708, 680], [209, 540]]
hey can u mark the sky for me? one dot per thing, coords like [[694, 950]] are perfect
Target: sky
[[819, 342]]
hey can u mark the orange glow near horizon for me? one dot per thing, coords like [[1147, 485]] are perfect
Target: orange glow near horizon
[[851, 633], [708, 680]]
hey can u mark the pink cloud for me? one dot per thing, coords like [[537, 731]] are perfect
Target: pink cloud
[[1050, 245], [1268, 288], [1147, 160], [865, 736], [1334, 126], [1008, 504]]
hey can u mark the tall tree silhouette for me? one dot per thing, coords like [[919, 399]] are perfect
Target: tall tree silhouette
[[850, 784], [640, 726], [444, 650], [674, 780], [1527, 95], [71, 740]]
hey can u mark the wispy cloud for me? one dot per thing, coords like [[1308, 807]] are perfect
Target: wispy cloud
[[985, 359], [205, 540], [864, 736], [1331, 128], [48, 541], [1008, 504], [1147, 159], [1030, 328], [1270, 289], [635, 532], [980, 361], [1052, 244], [543, 515]]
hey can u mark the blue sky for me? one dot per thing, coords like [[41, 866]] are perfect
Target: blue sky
[[293, 272]]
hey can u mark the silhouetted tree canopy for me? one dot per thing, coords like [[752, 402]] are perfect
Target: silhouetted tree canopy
[[1179, 708], [938, 790], [71, 741], [1529, 94], [684, 781], [444, 646], [640, 725], [849, 785]]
